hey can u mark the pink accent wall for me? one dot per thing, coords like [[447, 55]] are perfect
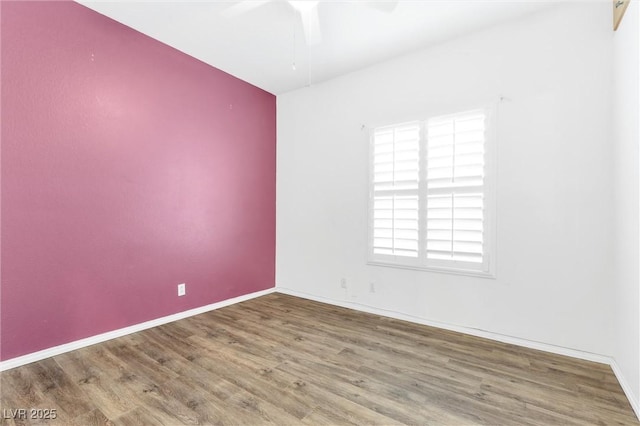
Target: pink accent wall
[[127, 168]]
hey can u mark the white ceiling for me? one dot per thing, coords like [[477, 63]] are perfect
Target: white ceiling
[[261, 45]]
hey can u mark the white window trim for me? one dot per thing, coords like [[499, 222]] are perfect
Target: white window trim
[[486, 269]]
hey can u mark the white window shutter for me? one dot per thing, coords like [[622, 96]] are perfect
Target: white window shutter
[[455, 193], [396, 154], [432, 194]]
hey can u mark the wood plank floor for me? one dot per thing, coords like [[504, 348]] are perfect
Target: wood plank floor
[[285, 360]]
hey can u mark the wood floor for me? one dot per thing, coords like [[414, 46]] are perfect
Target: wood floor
[[284, 360]]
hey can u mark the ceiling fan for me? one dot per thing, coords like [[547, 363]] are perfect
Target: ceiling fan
[[308, 12]]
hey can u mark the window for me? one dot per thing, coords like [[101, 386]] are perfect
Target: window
[[432, 194]]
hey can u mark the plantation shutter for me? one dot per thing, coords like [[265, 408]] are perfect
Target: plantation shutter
[[455, 187], [396, 158]]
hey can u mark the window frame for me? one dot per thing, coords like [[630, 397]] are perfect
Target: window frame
[[487, 268]]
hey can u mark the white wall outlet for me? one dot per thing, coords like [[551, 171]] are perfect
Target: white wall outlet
[[343, 283], [372, 287], [182, 289]]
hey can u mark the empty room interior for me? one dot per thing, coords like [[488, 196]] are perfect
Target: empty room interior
[[320, 212]]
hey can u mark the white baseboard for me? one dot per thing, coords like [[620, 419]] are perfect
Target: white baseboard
[[559, 350], [460, 329], [67, 347], [633, 399]]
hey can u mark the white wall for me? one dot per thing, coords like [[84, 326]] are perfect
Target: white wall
[[626, 116], [554, 195]]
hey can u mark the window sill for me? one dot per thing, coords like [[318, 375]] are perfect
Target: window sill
[[440, 270]]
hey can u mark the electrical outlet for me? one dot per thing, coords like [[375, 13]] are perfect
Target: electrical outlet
[[343, 283], [372, 287], [182, 289]]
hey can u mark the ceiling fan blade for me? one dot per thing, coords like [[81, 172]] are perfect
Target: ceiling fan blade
[[311, 25], [383, 5], [242, 7]]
